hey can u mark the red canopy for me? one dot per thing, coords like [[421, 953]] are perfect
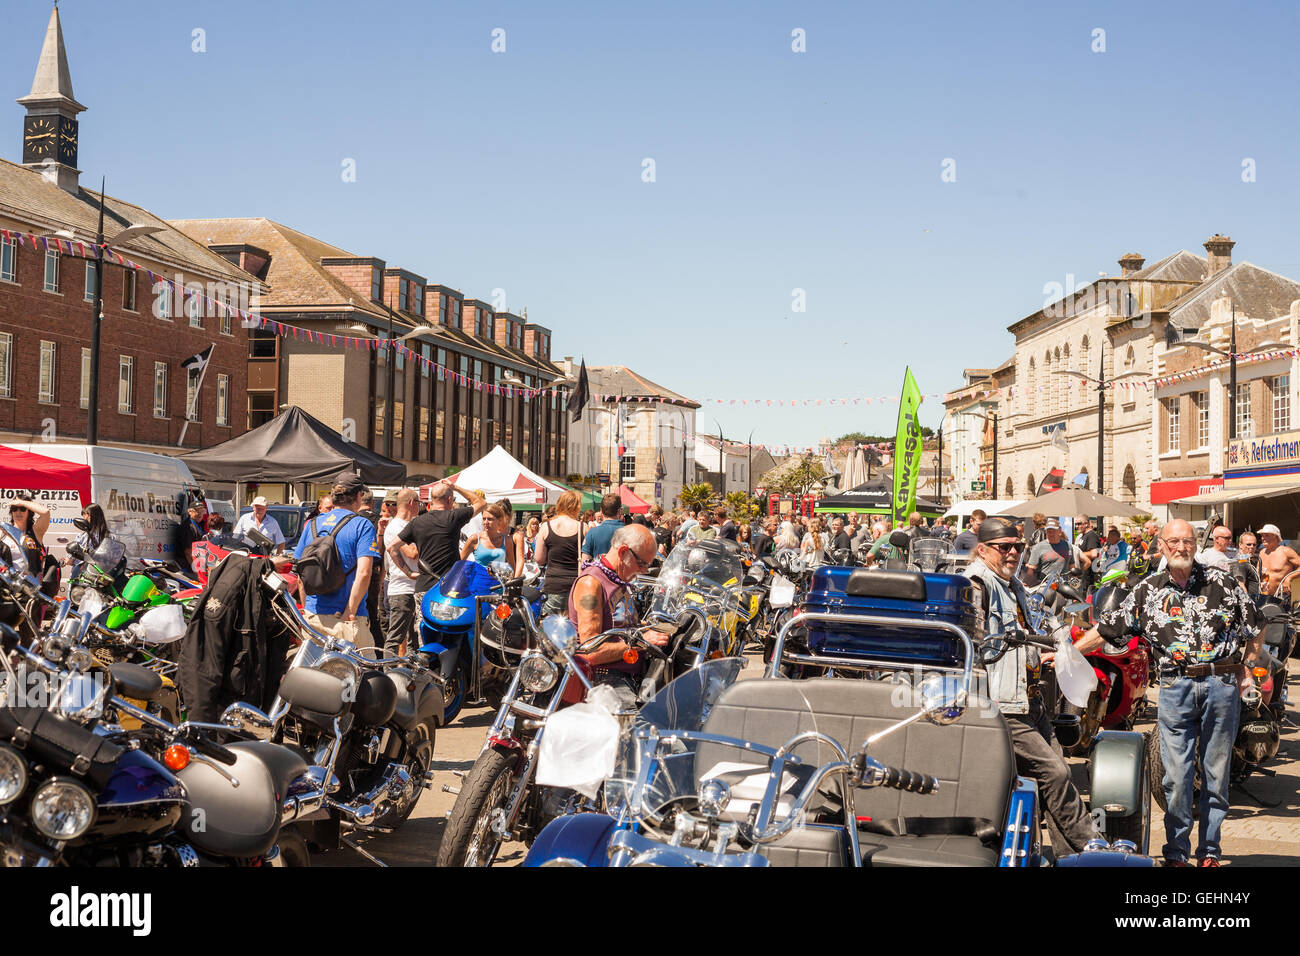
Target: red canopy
[[26, 470], [631, 501]]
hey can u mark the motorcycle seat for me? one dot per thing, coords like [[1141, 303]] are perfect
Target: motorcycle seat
[[134, 681], [972, 757]]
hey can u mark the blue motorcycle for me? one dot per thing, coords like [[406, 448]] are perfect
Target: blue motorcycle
[[458, 628]]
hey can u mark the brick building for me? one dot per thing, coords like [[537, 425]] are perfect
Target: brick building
[[48, 225], [436, 422]]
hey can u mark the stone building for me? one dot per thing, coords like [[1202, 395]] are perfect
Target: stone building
[[48, 225], [654, 426]]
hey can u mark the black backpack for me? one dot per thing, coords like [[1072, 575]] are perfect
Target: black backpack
[[320, 569]]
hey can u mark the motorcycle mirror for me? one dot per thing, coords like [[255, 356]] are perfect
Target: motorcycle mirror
[[80, 523], [501, 570], [247, 718], [560, 633], [1078, 607], [943, 697]]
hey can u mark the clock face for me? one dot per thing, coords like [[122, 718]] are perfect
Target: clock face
[[40, 138], [67, 141]]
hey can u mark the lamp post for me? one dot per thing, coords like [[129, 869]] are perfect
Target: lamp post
[[1100, 383], [97, 315], [510, 378]]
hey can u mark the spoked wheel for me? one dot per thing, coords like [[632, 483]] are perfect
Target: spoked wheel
[[470, 839], [418, 761], [456, 692]]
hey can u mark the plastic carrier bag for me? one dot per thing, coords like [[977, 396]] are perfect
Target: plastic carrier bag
[[1074, 675], [163, 624], [580, 744]]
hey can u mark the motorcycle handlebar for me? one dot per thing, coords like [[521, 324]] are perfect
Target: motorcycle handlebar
[[912, 782], [209, 747]]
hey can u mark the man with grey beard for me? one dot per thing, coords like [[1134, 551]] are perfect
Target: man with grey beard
[[1207, 638]]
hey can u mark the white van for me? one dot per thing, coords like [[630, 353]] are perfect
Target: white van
[[143, 496], [962, 509]]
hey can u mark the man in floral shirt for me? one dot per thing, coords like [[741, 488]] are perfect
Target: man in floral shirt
[[1207, 640]]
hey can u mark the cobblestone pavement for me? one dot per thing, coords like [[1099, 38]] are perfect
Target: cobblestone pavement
[[1254, 834]]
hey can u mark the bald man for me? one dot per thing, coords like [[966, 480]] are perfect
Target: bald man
[[1208, 638]]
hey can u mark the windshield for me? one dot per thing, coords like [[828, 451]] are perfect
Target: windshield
[[465, 579], [694, 569], [673, 779]]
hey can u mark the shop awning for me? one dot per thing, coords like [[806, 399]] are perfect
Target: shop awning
[[1227, 495], [632, 501]]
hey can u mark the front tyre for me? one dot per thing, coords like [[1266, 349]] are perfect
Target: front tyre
[[419, 759], [469, 839]]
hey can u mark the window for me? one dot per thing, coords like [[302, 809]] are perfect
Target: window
[[439, 425], [376, 284], [163, 301], [424, 426], [194, 307], [1282, 403], [128, 290], [628, 471], [478, 433], [1173, 424], [442, 310], [159, 389], [424, 365], [419, 298], [192, 394], [51, 270], [261, 408], [262, 343], [1245, 423], [90, 282], [85, 378], [126, 385], [1202, 419], [8, 259], [399, 414], [379, 419], [403, 296], [455, 312], [228, 300], [223, 400], [49, 372]]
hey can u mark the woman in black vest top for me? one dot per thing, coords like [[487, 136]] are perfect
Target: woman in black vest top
[[558, 544]]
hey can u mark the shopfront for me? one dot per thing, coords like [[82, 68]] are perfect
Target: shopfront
[[1263, 480], [1181, 497]]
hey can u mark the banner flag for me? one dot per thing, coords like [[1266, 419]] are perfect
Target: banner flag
[[907, 462]]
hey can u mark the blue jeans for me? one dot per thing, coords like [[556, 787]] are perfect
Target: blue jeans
[[1198, 716]]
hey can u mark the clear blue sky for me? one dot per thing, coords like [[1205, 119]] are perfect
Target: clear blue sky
[[775, 170]]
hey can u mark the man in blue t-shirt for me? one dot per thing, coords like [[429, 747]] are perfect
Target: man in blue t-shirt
[[596, 541], [358, 551]]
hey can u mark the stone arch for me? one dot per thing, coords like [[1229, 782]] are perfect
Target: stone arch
[[1030, 485], [1011, 488]]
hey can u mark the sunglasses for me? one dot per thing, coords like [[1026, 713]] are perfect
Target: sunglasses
[[1009, 547], [642, 564]]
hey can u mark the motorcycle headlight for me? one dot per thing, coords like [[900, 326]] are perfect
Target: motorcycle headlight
[[76, 593], [13, 775], [62, 809], [340, 667], [82, 695], [538, 673], [445, 612]]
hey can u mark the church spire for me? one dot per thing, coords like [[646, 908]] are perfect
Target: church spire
[[52, 85]]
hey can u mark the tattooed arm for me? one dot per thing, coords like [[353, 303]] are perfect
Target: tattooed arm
[[589, 602]]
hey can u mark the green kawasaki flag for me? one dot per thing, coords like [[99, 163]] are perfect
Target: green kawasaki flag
[[907, 450]]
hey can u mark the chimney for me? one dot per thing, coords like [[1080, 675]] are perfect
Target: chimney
[[1130, 263], [1219, 250], [362, 274]]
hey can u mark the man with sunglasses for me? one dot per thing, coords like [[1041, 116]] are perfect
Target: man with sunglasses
[[1209, 636], [1003, 605], [600, 600]]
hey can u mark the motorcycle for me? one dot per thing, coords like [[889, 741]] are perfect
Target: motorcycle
[[449, 625], [710, 576], [368, 723], [720, 772], [1123, 674], [503, 632]]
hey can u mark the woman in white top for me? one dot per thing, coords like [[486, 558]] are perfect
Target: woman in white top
[[786, 538], [813, 547]]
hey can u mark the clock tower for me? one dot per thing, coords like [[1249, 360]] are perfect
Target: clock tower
[[50, 126]]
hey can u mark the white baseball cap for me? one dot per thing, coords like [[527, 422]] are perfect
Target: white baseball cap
[[1270, 529], [260, 500]]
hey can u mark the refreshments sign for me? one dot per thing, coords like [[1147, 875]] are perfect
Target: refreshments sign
[[1273, 459]]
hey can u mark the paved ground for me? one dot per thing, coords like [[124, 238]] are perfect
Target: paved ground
[[1254, 834]]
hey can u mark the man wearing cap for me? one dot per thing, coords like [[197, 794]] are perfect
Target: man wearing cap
[[258, 520], [1208, 640], [1053, 553], [1004, 606], [358, 552], [1276, 560]]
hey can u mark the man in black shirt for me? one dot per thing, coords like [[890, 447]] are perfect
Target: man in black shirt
[[434, 537], [726, 527], [967, 540], [840, 539], [763, 541], [1090, 544]]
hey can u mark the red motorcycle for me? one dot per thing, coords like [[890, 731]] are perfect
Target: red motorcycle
[[1123, 675]]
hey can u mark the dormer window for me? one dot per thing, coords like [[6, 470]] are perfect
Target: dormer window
[[403, 299], [376, 284]]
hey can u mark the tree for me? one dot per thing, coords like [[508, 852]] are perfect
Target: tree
[[798, 479], [696, 497], [741, 507]]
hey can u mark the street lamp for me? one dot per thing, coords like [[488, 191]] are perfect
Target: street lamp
[[133, 231], [1100, 382], [510, 378]]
